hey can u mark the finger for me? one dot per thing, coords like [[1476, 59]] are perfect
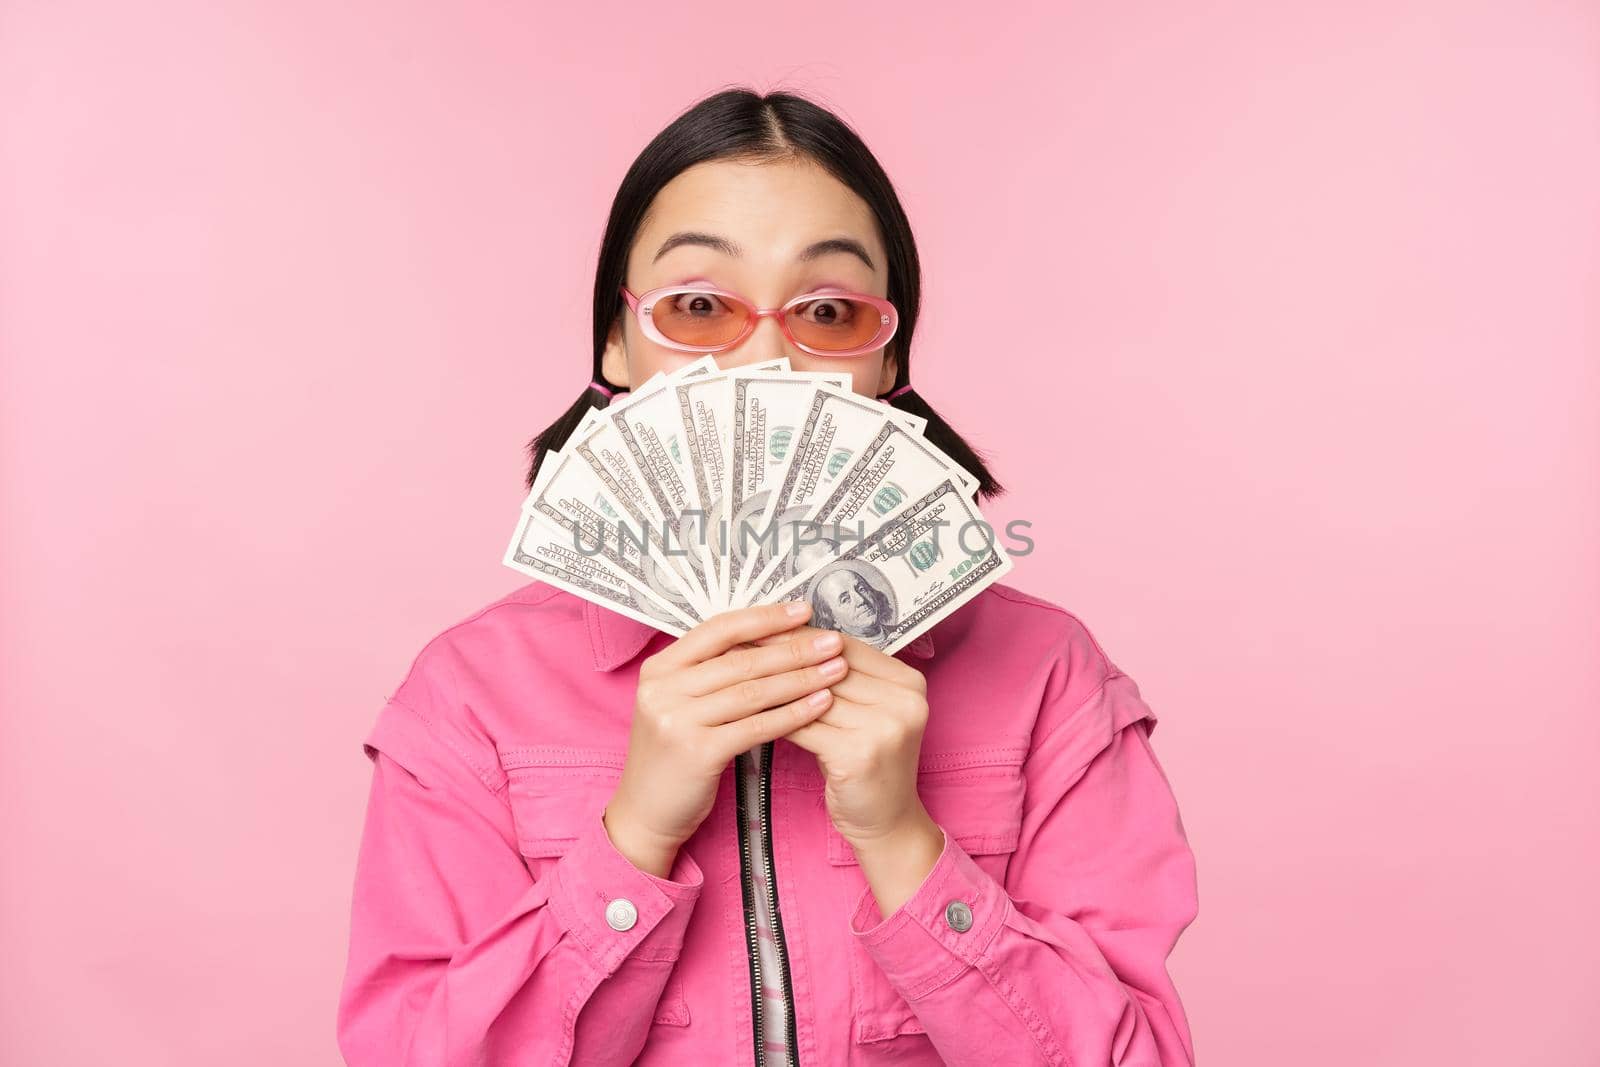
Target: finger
[[740, 735], [739, 700], [800, 631], [726, 629], [868, 660], [866, 690], [819, 736], [864, 658], [802, 648], [845, 714]]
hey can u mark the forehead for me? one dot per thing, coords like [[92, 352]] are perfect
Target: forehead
[[771, 210]]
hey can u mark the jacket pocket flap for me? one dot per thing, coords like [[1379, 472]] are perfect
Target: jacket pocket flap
[[555, 792], [976, 795]]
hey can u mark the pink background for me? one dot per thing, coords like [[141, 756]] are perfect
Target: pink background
[[1302, 397]]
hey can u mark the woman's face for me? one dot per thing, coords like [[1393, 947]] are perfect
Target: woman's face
[[746, 227]]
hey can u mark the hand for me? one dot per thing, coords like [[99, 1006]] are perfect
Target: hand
[[867, 745], [702, 700]]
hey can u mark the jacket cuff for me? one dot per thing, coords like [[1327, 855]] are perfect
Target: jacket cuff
[[918, 946], [592, 874]]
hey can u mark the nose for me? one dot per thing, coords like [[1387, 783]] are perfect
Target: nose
[[765, 343]]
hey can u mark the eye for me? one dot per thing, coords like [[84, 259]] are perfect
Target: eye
[[698, 305], [828, 311]]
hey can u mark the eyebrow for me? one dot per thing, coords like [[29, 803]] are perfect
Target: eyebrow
[[848, 245]]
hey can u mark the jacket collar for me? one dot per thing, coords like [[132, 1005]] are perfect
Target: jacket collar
[[615, 639]]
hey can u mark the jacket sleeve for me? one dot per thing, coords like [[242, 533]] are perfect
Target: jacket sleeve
[[458, 956], [1065, 963]]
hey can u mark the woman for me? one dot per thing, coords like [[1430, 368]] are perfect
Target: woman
[[764, 842]]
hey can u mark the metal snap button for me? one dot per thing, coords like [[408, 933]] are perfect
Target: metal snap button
[[621, 914], [958, 916]]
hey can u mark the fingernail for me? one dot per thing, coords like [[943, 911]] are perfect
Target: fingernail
[[796, 609], [827, 642], [819, 698], [834, 666]]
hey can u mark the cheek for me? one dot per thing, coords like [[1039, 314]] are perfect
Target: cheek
[[864, 370], [646, 358]]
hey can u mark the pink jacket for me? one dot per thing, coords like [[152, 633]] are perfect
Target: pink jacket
[[493, 921]]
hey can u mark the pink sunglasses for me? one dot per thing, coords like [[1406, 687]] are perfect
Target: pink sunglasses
[[702, 318]]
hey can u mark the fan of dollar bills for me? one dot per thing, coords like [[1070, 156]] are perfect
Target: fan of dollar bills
[[706, 490]]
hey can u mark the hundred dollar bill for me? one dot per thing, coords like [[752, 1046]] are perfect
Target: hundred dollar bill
[[708, 411], [646, 437], [892, 467], [577, 500], [931, 556], [701, 403], [655, 458], [766, 414], [541, 552], [835, 426], [704, 406], [607, 454]]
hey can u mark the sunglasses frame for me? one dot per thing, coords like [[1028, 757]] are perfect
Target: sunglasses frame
[[644, 303]]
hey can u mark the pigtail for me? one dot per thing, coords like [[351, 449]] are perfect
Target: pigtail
[[554, 436], [943, 435]]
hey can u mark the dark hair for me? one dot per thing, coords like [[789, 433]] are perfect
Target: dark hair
[[745, 125]]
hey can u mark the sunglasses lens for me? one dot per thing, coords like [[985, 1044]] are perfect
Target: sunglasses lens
[[700, 319], [835, 323]]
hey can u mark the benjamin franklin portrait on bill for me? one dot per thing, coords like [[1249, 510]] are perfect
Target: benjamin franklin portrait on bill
[[854, 598]]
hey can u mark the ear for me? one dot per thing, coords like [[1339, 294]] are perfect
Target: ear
[[614, 360], [891, 368]]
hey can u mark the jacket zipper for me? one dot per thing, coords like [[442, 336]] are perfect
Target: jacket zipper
[[752, 936]]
